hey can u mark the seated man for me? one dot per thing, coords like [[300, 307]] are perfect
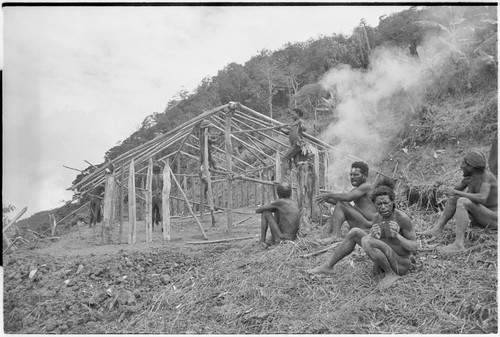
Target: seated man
[[281, 216], [361, 214], [479, 202], [390, 243]]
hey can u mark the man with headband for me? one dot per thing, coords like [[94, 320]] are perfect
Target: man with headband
[[479, 202]]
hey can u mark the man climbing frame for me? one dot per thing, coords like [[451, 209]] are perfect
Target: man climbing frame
[[299, 150], [281, 216], [360, 215], [479, 203], [390, 243]]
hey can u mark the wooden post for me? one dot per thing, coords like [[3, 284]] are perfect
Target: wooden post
[[165, 201], [315, 211], [149, 202], [300, 186], [202, 196], [53, 223], [122, 187], [109, 207], [210, 195], [325, 165], [189, 206], [229, 160], [185, 187], [262, 189], [277, 167], [132, 230]]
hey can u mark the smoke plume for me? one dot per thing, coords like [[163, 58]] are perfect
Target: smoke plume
[[373, 105]]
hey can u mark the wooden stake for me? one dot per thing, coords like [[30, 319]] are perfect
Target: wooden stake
[[132, 231], [148, 220], [185, 188], [122, 187], [321, 251], [210, 195], [109, 207], [229, 156], [53, 222], [189, 206], [277, 167], [165, 200]]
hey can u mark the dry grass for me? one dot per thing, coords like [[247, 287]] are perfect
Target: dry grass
[[243, 289]]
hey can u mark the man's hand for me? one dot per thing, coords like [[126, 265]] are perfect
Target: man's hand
[[376, 231], [322, 198], [449, 191], [394, 227]]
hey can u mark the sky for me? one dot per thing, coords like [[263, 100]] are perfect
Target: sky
[[78, 80]]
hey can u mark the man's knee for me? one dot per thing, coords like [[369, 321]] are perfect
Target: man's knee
[[356, 234], [464, 203]]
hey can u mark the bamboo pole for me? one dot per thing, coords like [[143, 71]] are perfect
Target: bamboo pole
[[220, 240], [229, 155], [125, 156], [13, 221], [165, 200], [189, 207], [132, 231], [149, 202], [53, 222], [109, 207], [71, 168], [210, 195], [122, 187], [277, 167]]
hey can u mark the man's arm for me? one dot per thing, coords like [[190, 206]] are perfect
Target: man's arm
[[267, 207], [355, 194], [408, 238], [478, 198]]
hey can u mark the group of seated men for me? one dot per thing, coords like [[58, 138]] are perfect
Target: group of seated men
[[384, 232]]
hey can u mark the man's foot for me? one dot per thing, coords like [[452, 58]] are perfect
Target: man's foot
[[451, 249], [388, 281], [431, 232], [263, 245], [323, 269]]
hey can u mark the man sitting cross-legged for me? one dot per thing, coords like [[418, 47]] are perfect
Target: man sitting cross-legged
[[282, 217], [480, 202], [361, 214], [390, 244]]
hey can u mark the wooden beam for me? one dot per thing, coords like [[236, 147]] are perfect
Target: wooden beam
[[165, 200], [13, 221], [229, 159], [149, 202], [132, 230], [109, 207], [220, 240], [206, 164], [189, 206]]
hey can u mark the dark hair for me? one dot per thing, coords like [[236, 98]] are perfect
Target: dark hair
[[383, 190], [385, 181], [363, 167], [299, 111], [284, 190]]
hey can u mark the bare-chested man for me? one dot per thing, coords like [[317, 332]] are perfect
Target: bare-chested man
[[282, 217], [480, 202], [361, 214], [390, 244]]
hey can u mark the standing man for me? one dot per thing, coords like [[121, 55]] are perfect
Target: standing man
[[480, 202], [282, 217], [297, 142], [361, 214], [390, 244]]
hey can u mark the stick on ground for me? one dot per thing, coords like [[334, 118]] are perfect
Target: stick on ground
[[221, 240], [321, 251]]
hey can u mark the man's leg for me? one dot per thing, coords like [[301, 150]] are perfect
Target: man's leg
[[292, 151], [269, 220], [384, 257], [345, 248], [448, 212], [345, 212], [481, 214]]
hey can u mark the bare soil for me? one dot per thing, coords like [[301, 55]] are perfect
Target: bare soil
[[76, 284]]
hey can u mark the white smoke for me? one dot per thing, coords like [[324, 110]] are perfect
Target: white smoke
[[372, 109]]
